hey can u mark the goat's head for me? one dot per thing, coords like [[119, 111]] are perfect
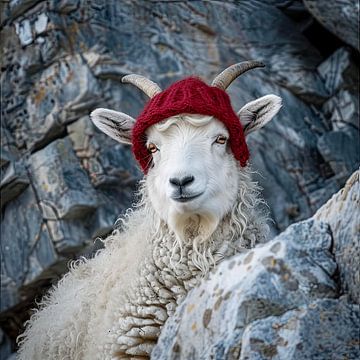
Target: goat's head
[[191, 156]]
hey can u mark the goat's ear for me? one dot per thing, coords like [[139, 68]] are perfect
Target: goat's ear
[[255, 114], [113, 123]]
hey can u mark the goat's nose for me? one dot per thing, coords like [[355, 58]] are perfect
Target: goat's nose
[[186, 180]]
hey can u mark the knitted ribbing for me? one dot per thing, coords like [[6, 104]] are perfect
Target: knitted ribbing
[[189, 96]]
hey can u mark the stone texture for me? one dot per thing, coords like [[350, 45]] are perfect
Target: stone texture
[[340, 17], [108, 165], [290, 271], [52, 106], [342, 213], [23, 258], [342, 110], [5, 345], [13, 175], [62, 186], [340, 149], [339, 72], [324, 329], [13, 180]]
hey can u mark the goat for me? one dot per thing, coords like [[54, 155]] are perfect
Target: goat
[[198, 206]]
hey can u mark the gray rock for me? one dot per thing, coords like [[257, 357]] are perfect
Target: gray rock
[[62, 186], [342, 213], [13, 176], [324, 329], [339, 71], [5, 157], [14, 180], [296, 178], [108, 164], [23, 30], [340, 150], [5, 345], [342, 110], [51, 107], [340, 75], [68, 236], [339, 17], [12, 357], [23, 258], [292, 270]]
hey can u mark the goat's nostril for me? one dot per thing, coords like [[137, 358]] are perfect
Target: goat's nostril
[[187, 180], [174, 181], [183, 181]]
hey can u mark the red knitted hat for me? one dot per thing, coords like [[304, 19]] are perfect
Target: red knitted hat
[[189, 96]]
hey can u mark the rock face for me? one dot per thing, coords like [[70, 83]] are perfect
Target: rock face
[[63, 183], [324, 329], [279, 300], [342, 213], [340, 17]]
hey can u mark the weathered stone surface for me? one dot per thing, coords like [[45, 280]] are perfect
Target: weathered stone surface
[[68, 236], [26, 247], [5, 345], [324, 329], [106, 162], [13, 176], [13, 180], [342, 110], [295, 178], [340, 17], [292, 270], [342, 213], [340, 75], [51, 107], [63, 189], [339, 72], [108, 166], [340, 149]]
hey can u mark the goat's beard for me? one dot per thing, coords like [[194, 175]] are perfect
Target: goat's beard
[[194, 231]]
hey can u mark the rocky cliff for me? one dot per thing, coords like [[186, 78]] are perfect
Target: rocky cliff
[[63, 183]]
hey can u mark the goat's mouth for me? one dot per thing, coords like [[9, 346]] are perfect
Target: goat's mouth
[[183, 198]]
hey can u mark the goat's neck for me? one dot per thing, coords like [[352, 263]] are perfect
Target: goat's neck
[[188, 261]]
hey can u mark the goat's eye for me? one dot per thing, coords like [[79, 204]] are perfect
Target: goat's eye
[[221, 139], [152, 148]]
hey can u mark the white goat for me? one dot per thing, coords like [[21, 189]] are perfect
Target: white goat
[[198, 206]]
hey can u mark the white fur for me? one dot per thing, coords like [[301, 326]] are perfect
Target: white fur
[[114, 305]]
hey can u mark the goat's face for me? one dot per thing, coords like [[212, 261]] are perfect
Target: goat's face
[[193, 176], [193, 172]]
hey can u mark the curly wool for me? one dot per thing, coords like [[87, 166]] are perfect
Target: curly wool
[[114, 305]]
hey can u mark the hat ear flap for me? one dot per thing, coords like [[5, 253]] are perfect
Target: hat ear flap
[[113, 123], [255, 114]]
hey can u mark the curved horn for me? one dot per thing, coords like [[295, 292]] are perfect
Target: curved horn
[[147, 86], [225, 78]]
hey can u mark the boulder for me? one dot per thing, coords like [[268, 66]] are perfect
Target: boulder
[[62, 186], [339, 17], [342, 213], [291, 271], [323, 329], [23, 259], [14, 179]]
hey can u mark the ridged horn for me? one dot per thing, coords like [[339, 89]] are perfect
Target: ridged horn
[[226, 77], [147, 86]]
